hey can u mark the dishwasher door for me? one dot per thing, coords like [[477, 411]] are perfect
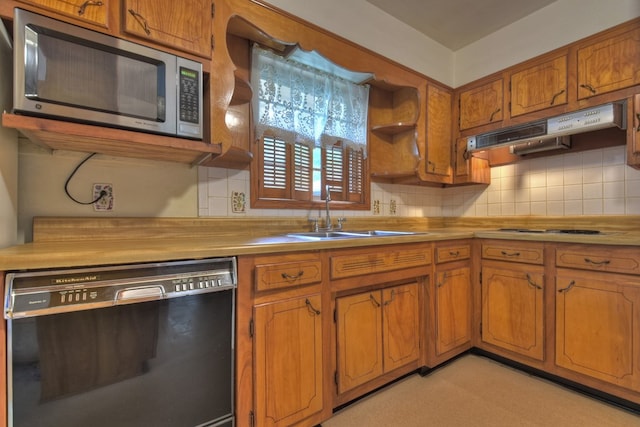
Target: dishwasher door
[[165, 362]]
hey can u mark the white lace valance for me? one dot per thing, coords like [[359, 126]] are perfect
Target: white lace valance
[[299, 103]]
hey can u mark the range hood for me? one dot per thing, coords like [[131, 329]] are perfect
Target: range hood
[[553, 133]]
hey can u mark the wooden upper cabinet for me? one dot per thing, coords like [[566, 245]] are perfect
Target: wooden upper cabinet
[[609, 64], [439, 138], [183, 25], [482, 105], [539, 87], [94, 12]]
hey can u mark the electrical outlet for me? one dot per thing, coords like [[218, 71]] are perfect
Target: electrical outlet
[[106, 202]]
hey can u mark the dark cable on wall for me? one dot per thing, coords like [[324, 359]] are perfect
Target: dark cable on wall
[[102, 194]]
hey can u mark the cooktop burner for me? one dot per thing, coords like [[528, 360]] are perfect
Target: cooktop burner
[[565, 231]]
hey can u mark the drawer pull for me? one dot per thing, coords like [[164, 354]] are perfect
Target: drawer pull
[[393, 296], [311, 307], [454, 253], [532, 283], [372, 298], [573, 282], [590, 261], [505, 253], [288, 276]]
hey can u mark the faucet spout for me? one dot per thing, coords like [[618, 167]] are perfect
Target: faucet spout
[[328, 225]]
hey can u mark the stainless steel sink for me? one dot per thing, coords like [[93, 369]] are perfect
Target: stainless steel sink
[[330, 235]]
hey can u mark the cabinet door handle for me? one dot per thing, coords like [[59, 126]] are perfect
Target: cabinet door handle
[[311, 307], [571, 284], [638, 117], [372, 298], [141, 20], [393, 296], [493, 114], [532, 283], [603, 262], [553, 100], [288, 276], [443, 281], [84, 5], [505, 253], [588, 87]]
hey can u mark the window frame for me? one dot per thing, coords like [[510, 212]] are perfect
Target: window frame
[[265, 198]]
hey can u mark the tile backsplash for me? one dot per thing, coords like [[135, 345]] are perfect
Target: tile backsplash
[[595, 182]]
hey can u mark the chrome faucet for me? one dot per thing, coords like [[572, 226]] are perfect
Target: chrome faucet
[[327, 223]]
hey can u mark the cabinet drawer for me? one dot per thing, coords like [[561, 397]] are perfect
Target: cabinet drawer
[[285, 274], [377, 262], [618, 260], [453, 253], [527, 253]]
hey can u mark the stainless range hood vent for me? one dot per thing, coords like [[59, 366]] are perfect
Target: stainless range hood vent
[[523, 148], [601, 117]]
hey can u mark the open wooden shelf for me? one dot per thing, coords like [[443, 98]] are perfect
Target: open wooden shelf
[[393, 128], [61, 135]]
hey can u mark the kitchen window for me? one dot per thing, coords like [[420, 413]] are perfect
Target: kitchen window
[[310, 132]]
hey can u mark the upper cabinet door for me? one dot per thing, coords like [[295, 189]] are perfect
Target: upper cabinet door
[[539, 87], [482, 105], [94, 12], [609, 65], [183, 25], [439, 140]]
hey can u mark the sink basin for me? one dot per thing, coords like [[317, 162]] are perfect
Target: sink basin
[[330, 235]]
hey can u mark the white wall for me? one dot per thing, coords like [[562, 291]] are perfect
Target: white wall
[[369, 26], [141, 187]]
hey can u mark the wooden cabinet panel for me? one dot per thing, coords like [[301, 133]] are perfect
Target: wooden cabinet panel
[[481, 105], [452, 253], [609, 64], [439, 137], [377, 262], [470, 169], [400, 317], [94, 12], [183, 25], [539, 87], [287, 274], [376, 333], [359, 335], [606, 259], [452, 309], [512, 308], [597, 319], [288, 364], [530, 253]]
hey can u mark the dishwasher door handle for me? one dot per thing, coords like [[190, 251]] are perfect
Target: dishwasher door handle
[[142, 293]]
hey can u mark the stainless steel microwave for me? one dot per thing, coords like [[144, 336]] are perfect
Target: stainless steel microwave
[[66, 72]]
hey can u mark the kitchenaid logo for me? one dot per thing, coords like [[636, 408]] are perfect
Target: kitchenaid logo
[[74, 279]]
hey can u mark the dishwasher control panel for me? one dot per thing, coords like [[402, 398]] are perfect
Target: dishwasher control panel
[[55, 291]]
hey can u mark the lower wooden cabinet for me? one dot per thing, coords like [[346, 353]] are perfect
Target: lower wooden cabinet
[[288, 363], [597, 323], [512, 307], [377, 332], [452, 310]]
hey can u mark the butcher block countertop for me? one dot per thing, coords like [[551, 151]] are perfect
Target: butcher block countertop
[[72, 242]]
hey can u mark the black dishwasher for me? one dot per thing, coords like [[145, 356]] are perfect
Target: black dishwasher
[[129, 345]]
